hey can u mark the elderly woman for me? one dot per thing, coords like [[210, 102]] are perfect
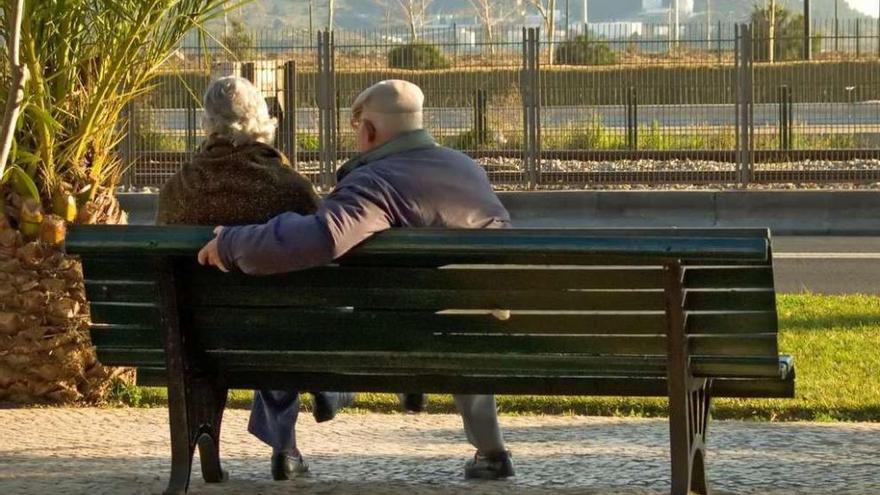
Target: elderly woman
[[238, 178]]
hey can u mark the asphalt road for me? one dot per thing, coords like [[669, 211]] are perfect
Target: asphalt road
[[827, 265]]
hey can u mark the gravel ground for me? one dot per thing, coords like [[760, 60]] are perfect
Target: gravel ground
[[516, 165], [102, 451]]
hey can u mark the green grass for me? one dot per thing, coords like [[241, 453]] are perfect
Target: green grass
[[834, 339]]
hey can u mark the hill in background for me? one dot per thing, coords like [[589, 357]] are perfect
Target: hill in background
[[387, 14]]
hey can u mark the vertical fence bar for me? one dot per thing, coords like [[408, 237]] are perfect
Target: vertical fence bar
[[289, 121]]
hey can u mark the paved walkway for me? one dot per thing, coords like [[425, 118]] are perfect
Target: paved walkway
[[126, 451]]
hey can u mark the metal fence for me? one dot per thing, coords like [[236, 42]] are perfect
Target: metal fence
[[620, 103]]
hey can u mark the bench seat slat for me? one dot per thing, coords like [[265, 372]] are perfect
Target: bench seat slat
[[595, 386], [528, 277], [146, 314], [419, 299], [373, 362], [121, 291], [730, 300], [724, 277], [286, 324]]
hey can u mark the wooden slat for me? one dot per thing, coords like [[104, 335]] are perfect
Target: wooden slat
[[132, 336], [231, 319], [121, 291], [730, 300], [391, 340], [472, 277], [128, 357], [719, 277], [146, 314], [419, 299], [732, 322], [735, 345], [647, 387], [375, 362], [105, 266]]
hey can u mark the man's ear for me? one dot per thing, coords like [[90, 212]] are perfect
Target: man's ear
[[371, 130]]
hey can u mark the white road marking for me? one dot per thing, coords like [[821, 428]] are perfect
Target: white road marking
[[827, 256]]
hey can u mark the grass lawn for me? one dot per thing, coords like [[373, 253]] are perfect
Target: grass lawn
[[835, 341]]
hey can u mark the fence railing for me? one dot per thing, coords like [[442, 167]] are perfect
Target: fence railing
[[590, 107]]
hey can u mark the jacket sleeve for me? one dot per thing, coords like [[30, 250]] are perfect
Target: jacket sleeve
[[350, 214]]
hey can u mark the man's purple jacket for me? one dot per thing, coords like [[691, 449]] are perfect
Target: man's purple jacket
[[425, 187]]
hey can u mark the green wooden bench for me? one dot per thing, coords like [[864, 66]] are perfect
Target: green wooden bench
[[686, 314]]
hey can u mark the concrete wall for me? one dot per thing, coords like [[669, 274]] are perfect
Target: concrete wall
[[785, 212]]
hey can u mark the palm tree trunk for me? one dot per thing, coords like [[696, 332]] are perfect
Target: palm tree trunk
[[15, 96]]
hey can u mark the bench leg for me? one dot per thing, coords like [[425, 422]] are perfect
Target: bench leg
[[689, 397], [689, 419], [209, 417], [196, 421], [195, 399]]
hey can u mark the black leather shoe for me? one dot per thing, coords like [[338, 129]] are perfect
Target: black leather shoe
[[489, 467], [328, 403], [288, 465], [414, 402]]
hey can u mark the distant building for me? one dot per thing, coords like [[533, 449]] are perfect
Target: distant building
[[616, 30]]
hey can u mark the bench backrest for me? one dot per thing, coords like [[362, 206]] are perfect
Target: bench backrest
[[414, 308]]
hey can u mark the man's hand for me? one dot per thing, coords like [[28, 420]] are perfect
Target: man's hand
[[209, 255]]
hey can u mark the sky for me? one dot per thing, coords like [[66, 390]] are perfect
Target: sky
[[869, 7]]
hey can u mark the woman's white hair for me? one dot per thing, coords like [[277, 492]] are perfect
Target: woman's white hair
[[235, 110]]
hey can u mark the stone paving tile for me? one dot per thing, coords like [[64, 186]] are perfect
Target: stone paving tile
[[113, 451]]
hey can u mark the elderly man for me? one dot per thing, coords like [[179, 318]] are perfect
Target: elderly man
[[401, 178], [238, 178]]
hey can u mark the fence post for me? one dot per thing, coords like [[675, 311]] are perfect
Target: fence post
[[808, 36], [289, 122], [248, 70], [858, 38], [745, 104], [785, 117], [326, 105], [190, 110], [531, 106], [632, 119], [481, 117], [126, 148], [525, 97]]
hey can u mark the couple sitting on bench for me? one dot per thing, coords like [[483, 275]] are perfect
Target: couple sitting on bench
[[270, 220]]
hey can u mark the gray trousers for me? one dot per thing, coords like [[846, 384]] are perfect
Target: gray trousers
[[274, 413]]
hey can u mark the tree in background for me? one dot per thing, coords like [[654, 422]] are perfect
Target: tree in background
[[585, 50], [788, 32], [547, 10], [239, 41], [414, 11], [491, 13]]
